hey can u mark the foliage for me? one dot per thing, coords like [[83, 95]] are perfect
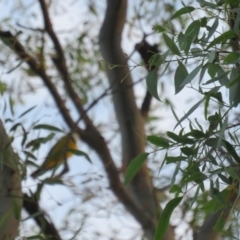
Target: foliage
[[204, 154]]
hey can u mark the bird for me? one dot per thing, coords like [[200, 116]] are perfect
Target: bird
[[58, 154]]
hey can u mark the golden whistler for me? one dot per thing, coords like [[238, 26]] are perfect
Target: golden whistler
[[58, 154]]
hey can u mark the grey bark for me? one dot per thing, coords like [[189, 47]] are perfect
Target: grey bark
[[10, 185], [130, 120]]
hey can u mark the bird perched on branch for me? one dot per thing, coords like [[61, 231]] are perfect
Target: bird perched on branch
[[58, 154]]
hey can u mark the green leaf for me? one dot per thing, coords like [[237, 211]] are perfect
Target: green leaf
[[222, 132], [212, 206], [47, 127], [27, 111], [212, 56], [194, 198], [191, 35], [232, 172], [220, 224], [232, 58], [80, 153], [165, 218], [182, 11], [180, 139], [196, 176], [180, 74], [222, 38], [134, 166], [218, 78], [188, 151], [207, 4], [159, 28], [174, 159], [196, 134], [211, 142], [158, 141], [234, 96], [177, 168], [191, 76], [156, 60], [213, 29], [214, 142], [171, 45], [213, 69], [234, 81], [197, 52], [182, 40], [231, 150], [152, 80], [175, 189], [35, 144]]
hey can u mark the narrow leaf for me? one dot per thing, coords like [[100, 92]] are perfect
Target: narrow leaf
[[182, 11], [165, 218], [47, 127], [171, 45], [222, 38], [158, 141], [27, 111], [180, 74], [152, 80], [134, 166], [80, 153], [191, 76]]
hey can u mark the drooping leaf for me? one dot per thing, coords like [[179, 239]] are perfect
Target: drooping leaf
[[152, 82], [165, 218], [222, 38], [134, 166], [232, 58], [191, 76], [182, 11], [27, 111], [159, 28], [212, 56], [213, 29], [80, 153], [48, 127], [158, 141], [188, 151], [171, 45], [180, 74], [174, 159], [196, 134], [180, 139]]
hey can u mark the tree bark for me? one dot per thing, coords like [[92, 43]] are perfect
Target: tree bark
[[130, 120], [11, 193]]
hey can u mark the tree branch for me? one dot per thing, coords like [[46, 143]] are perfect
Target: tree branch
[[90, 136], [130, 121], [16, 46], [33, 209], [11, 191], [60, 63]]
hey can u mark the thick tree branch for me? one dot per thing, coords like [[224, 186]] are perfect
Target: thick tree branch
[[90, 136], [33, 209], [130, 120], [11, 192]]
